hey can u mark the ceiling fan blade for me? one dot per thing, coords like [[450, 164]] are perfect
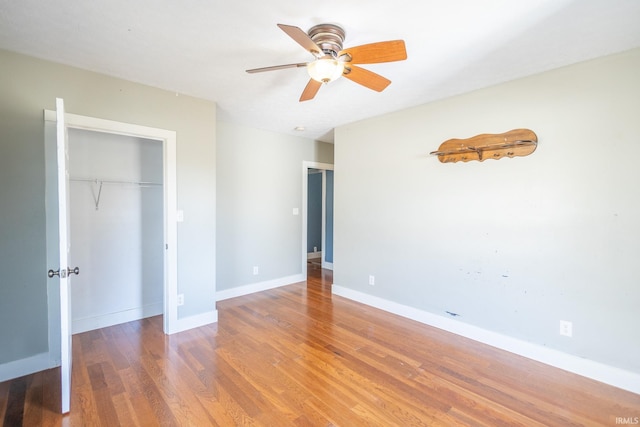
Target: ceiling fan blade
[[310, 90], [367, 78], [276, 67], [373, 53], [302, 39]]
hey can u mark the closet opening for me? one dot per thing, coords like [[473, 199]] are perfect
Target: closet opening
[[116, 200]]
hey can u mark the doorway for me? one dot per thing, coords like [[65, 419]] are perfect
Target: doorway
[[166, 139], [323, 172]]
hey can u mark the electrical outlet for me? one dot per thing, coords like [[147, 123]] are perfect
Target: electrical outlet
[[315, 249], [566, 328], [255, 270], [180, 299], [372, 280]]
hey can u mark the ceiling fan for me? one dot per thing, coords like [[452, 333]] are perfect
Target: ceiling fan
[[324, 42]]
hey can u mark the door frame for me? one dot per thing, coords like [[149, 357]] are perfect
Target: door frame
[[168, 140], [306, 165]]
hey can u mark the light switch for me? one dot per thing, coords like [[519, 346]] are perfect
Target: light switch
[[180, 215], [296, 211]]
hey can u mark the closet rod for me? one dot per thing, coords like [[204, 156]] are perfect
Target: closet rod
[[100, 182], [108, 181]]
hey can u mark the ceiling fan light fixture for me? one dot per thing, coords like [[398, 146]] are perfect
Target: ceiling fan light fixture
[[325, 70]]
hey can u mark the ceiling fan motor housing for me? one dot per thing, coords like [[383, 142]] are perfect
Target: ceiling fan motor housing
[[328, 37]]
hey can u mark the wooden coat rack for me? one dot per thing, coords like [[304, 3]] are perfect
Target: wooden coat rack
[[517, 142]]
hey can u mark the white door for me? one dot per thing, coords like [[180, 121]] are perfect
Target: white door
[[63, 270]]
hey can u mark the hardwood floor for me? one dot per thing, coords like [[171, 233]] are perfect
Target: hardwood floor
[[298, 356]]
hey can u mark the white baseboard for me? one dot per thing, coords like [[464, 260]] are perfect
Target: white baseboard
[[26, 366], [258, 287], [587, 368], [195, 321], [314, 255], [327, 265], [106, 320]]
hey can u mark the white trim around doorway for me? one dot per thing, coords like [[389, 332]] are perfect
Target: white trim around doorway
[[168, 139], [306, 165]]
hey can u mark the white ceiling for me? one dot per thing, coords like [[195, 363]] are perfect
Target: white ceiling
[[203, 47]]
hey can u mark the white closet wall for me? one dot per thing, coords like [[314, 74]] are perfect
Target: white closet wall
[[116, 228]]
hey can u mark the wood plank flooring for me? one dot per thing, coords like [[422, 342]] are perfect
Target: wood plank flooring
[[298, 356]]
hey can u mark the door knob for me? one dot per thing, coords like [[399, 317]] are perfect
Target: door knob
[[64, 273]]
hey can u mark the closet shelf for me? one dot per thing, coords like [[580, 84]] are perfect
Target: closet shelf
[[99, 182], [111, 181]]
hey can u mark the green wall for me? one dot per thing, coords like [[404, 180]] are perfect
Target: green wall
[[259, 185], [515, 245], [27, 87]]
